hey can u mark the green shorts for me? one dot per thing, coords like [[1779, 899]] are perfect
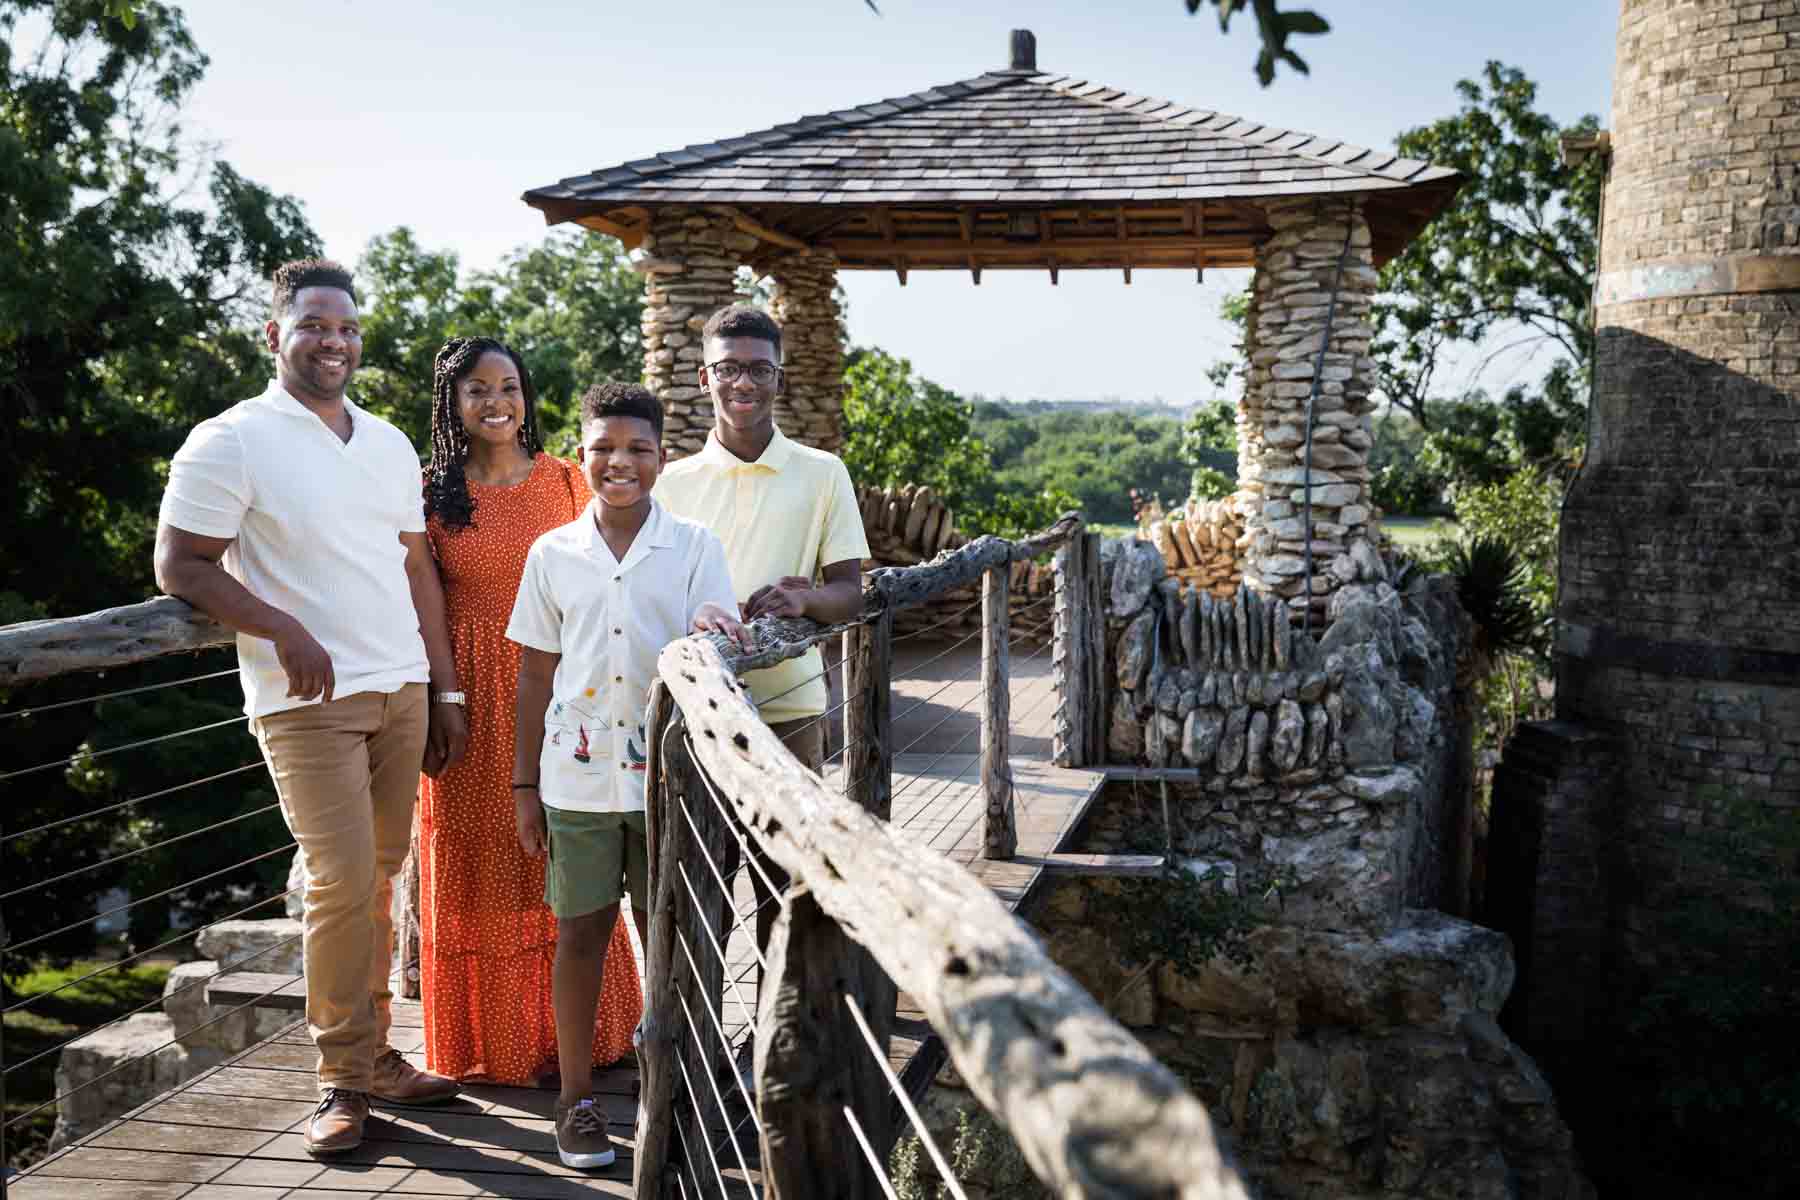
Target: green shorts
[[595, 857]]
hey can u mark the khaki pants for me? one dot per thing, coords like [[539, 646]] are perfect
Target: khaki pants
[[347, 774]]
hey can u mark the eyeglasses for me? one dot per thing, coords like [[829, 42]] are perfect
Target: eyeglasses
[[728, 370]]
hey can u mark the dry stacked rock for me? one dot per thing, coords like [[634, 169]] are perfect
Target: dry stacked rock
[[1331, 760], [907, 526], [1202, 545], [1295, 273], [689, 266], [811, 408]]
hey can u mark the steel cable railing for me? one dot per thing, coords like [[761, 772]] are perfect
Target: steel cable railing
[[724, 947], [139, 840]]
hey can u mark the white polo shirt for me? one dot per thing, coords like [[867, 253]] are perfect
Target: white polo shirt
[[791, 512], [609, 620], [316, 524]]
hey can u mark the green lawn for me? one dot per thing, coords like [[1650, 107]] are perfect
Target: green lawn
[[52, 1020], [1418, 533]]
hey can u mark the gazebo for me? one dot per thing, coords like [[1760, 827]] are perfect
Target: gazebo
[[1025, 170]]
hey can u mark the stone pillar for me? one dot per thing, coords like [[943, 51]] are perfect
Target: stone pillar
[[812, 332], [690, 268], [1295, 273]]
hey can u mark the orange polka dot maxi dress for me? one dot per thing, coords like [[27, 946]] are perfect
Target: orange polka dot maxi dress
[[487, 938]]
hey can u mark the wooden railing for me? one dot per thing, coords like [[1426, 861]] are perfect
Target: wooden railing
[[870, 912]]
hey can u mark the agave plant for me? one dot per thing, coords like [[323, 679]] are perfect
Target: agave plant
[[1491, 582]]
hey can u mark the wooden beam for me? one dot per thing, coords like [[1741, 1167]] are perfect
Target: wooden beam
[[1106, 866], [750, 225], [967, 225], [631, 235], [1092, 1111], [999, 248]]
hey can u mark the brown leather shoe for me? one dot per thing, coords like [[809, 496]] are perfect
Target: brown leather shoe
[[337, 1124], [396, 1081]]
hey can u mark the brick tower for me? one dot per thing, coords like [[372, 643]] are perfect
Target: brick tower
[[1678, 639]]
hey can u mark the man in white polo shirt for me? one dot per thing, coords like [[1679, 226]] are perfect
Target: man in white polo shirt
[[295, 519]]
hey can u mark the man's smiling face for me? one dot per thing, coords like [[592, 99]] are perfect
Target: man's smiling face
[[318, 344], [742, 403]]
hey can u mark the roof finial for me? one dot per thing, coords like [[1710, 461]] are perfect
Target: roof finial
[[1024, 50]]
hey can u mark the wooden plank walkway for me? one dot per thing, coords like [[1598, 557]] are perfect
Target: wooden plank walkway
[[233, 1133]]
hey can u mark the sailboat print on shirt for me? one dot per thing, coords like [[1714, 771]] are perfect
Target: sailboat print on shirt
[[637, 759], [581, 746]]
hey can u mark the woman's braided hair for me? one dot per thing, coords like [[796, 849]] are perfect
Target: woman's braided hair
[[446, 487]]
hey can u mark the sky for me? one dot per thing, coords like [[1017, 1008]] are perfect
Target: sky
[[438, 116]]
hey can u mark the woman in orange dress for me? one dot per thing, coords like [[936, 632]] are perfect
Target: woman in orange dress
[[487, 937]]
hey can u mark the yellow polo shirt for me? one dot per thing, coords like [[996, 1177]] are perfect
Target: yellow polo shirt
[[790, 512]]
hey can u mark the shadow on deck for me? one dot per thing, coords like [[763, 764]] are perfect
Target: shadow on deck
[[234, 1132]]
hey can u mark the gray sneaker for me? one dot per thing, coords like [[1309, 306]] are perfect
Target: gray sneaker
[[581, 1140]]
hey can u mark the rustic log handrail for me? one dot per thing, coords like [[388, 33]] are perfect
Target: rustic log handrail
[[1092, 1111], [113, 637]]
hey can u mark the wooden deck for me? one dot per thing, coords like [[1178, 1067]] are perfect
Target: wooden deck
[[233, 1133]]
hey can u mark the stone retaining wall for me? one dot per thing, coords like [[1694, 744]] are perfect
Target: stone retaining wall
[[121, 1066], [1335, 761]]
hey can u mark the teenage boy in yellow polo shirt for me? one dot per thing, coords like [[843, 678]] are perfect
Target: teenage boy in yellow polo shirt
[[788, 516]]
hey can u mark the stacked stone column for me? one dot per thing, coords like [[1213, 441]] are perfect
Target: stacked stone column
[[1296, 270], [805, 302], [690, 267]]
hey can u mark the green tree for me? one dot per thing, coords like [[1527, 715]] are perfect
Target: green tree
[[570, 305], [1514, 251], [573, 306], [900, 429], [132, 292]]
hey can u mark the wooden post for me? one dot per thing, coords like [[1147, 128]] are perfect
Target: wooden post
[[868, 714], [406, 932], [1078, 651], [811, 1063], [999, 833], [868, 783], [664, 831], [1093, 633]]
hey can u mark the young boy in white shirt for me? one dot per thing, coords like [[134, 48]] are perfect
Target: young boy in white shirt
[[600, 598]]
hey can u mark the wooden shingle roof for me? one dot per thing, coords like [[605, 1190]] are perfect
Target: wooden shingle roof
[[1012, 168]]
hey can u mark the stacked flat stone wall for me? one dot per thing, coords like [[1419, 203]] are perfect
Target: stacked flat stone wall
[[1202, 545], [1297, 270], [1679, 615], [689, 265], [811, 409]]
